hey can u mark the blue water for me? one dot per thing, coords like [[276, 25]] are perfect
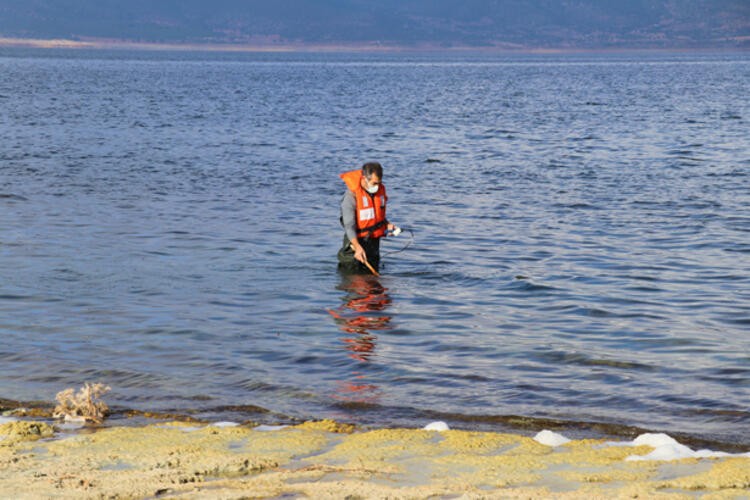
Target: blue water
[[581, 250]]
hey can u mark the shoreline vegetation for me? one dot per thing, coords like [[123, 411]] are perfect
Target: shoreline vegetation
[[327, 459], [115, 44]]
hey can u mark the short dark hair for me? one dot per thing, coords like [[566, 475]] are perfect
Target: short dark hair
[[372, 167]]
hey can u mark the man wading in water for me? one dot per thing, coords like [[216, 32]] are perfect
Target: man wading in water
[[363, 218]]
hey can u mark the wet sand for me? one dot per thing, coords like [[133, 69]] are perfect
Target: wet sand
[[330, 460]]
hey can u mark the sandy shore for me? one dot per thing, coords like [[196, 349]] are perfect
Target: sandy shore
[[330, 460]]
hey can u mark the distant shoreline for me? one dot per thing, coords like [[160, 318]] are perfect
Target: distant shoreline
[[106, 44]]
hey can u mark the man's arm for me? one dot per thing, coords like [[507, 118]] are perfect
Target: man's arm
[[349, 220]]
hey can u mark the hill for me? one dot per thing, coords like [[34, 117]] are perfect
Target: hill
[[588, 24]]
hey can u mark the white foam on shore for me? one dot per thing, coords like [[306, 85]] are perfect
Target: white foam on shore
[[269, 428], [224, 424], [185, 428], [667, 448], [75, 419], [550, 438], [71, 426], [436, 426]]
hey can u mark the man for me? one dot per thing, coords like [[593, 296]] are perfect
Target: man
[[363, 218]]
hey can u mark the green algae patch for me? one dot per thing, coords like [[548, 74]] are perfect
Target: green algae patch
[[325, 460]]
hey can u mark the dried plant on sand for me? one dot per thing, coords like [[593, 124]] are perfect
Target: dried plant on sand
[[85, 405]]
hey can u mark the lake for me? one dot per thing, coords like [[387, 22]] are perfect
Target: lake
[[578, 247]]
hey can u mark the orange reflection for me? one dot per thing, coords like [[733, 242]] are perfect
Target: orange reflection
[[359, 316]]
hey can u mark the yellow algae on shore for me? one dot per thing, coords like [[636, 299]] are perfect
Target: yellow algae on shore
[[12, 432], [329, 460], [731, 473], [327, 425]]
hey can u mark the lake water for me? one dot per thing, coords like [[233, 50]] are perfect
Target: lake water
[[581, 236]]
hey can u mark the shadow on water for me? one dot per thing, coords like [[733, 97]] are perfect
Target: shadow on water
[[361, 314]]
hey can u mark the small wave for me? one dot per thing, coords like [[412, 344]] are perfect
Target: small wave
[[68, 275], [245, 409], [577, 206], [731, 381], [683, 154], [356, 405], [120, 377], [645, 289], [588, 137], [529, 287], [480, 137], [12, 197], [731, 173], [10, 296], [493, 132], [581, 359], [738, 249], [744, 321], [556, 165]]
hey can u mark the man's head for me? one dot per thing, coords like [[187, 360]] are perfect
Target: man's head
[[372, 175]]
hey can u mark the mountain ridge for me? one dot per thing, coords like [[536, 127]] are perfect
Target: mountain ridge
[[509, 24]]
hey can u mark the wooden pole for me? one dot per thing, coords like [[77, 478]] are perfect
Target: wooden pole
[[371, 268]]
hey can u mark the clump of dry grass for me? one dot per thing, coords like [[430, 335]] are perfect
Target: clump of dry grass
[[85, 405]]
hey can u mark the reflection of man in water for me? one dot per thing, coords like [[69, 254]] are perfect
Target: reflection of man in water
[[363, 217], [359, 317]]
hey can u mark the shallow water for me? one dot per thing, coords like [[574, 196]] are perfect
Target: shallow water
[[581, 235]]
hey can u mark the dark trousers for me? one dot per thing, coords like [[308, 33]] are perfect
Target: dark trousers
[[347, 262]]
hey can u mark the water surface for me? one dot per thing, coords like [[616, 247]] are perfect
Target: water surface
[[581, 236]]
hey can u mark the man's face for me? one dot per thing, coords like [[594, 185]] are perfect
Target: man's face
[[371, 183]]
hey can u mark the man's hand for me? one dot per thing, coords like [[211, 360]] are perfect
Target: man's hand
[[359, 252]]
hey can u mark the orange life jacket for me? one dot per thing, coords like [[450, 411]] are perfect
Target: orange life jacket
[[370, 213]]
